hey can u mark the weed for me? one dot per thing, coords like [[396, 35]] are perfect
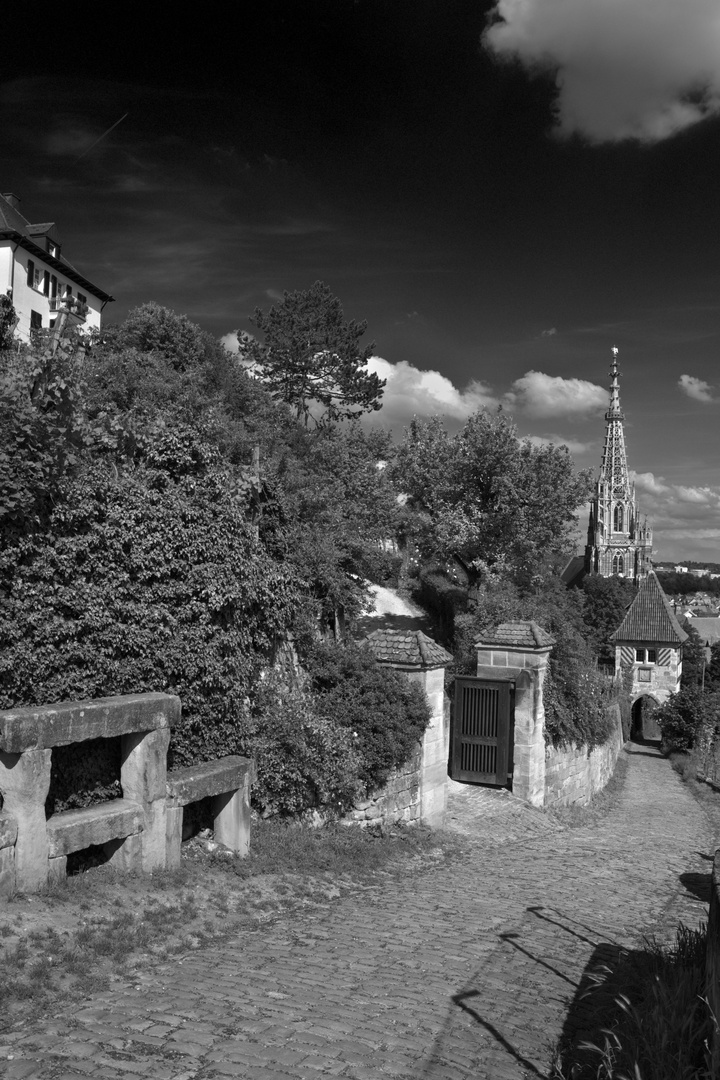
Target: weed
[[5, 929]]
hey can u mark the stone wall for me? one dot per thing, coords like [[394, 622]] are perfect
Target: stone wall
[[575, 775], [417, 792], [138, 831]]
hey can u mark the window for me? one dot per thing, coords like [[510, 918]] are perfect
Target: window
[[35, 320], [619, 519], [52, 248], [646, 656], [618, 565]]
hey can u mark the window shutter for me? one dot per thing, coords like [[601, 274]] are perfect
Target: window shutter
[[31, 273], [46, 282], [53, 286]]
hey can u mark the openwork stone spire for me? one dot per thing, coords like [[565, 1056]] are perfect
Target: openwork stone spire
[[617, 543]]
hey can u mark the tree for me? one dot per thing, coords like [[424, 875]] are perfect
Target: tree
[[693, 657], [486, 498], [8, 322], [606, 601], [312, 359]]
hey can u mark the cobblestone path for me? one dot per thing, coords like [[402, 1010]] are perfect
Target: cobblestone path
[[462, 972]]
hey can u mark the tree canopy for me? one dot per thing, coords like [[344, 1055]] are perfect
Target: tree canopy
[[312, 359], [490, 500]]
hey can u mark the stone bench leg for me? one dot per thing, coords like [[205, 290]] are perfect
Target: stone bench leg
[[24, 783], [231, 812], [174, 828], [143, 776]]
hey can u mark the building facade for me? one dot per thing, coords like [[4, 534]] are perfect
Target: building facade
[[618, 543], [37, 277], [648, 643]]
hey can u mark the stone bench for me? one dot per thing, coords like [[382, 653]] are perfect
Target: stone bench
[[227, 781], [8, 837], [93, 826]]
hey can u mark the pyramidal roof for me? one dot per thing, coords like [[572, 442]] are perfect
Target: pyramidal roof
[[520, 635], [650, 617], [409, 648]]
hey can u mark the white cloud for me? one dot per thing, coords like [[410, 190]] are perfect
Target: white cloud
[[685, 518], [543, 395], [549, 333], [412, 392], [639, 69], [573, 445], [695, 388]]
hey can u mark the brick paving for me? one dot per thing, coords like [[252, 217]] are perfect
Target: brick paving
[[464, 971]]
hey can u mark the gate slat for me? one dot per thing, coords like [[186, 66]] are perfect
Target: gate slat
[[482, 728]]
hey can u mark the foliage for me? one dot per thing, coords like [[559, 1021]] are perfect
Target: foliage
[[84, 774], [606, 602], [336, 510], [383, 710], [650, 1015], [304, 759], [693, 657], [680, 717], [312, 359], [487, 499], [8, 322], [712, 674], [148, 579]]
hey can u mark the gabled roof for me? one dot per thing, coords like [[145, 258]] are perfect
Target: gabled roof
[[650, 617], [518, 635], [13, 226], [408, 648]]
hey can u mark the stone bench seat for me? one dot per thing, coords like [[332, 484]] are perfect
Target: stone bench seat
[[196, 782], [75, 830], [40, 727]]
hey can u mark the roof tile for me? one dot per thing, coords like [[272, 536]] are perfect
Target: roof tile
[[410, 648], [518, 635], [650, 617]]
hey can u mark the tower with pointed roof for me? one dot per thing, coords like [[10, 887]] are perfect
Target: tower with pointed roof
[[648, 642], [618, 544]]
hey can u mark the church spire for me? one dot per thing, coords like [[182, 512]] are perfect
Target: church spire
[[614, 470], [617, 543]]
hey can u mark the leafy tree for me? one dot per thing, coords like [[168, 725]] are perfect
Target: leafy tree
[[312, 359], [693, 657], [485, 498], [606, 602], [712, 673], [148, 578], [681, 717], [8, 322]]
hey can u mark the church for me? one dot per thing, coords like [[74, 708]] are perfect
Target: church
[[618, 543]]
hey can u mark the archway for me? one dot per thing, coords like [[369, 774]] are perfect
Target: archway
[[643, 727]]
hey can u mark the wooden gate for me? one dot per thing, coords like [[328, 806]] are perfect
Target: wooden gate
[[482, 731]]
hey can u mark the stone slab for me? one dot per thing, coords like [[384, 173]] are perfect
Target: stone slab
[[39, 727], [8, 830], [211, 778], [75, 830]]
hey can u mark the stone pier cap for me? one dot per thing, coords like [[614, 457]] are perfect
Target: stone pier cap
[[502, 646], [40, 727], [408, 650]]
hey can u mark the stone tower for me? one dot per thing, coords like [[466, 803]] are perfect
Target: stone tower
[[618, 544]]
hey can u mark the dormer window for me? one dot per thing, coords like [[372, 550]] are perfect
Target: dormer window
[[53, 249]]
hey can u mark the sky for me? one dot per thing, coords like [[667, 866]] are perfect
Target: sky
[[503, 190]]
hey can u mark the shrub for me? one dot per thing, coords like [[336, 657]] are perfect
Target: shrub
[[680, 718], [385, 712], [144, 582], [304, 760], [577, 706]]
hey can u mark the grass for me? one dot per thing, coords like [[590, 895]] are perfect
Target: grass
[[80, 934], [651, 1018]]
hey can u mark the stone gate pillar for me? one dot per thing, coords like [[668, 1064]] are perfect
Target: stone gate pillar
[[518, 652], [424, 662]]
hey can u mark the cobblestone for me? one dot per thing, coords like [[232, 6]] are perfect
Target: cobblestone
[[466, 971]]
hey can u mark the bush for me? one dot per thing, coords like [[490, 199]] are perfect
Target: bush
[[680, 718], [303, 759], [385, 712], [144, 582], [577, 706]]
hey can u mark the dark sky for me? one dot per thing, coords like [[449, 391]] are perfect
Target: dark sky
[[491, 219]]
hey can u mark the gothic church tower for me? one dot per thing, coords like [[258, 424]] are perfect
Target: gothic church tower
[[617, 543]]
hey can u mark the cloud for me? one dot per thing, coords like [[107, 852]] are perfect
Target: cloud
[[412, 392], [625, 69], [548, 333], [544, 396], [686, 518], [695, 388], [573, 445]]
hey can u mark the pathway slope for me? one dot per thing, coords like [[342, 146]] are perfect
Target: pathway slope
[[462, 972]]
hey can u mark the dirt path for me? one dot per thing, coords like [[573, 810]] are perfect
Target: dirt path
[[465, 971]]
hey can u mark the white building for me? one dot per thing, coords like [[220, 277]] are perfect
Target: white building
[[39, 279]]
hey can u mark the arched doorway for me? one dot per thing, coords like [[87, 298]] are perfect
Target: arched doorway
[[644, 728]]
